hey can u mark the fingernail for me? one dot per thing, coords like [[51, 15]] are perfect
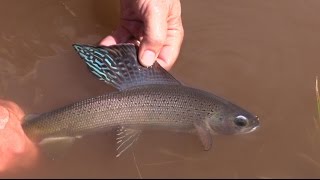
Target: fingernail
[[107, 41], [4, 117], [148, 58]]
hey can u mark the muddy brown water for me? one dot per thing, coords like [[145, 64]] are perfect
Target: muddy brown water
[[262, 55]]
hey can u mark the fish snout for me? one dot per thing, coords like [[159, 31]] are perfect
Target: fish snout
[[255, 124]]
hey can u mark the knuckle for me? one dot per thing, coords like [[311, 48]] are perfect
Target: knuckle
[[181, 32], [157, 40]]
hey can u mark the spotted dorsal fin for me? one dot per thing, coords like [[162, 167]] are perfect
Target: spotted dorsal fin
[[118, 66]]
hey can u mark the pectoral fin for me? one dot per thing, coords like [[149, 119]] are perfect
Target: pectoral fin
[[204, 134], [56, 147]]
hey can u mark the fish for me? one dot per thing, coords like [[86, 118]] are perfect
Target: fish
[[144, 98]]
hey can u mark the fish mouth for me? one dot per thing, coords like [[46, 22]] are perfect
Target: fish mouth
[[256, 125], [250, 130], [253, 129]]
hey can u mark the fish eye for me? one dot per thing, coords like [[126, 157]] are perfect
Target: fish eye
[[241, 121]]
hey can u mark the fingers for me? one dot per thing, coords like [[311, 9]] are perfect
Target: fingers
[[12, 108], [15, 147], [120, 35], [4, 117], [170, 51], [154, 36], [156, 24]]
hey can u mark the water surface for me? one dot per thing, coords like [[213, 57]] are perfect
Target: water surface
[[262, 55]]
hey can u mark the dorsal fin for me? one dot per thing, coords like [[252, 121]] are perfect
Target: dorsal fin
[[118, 66]]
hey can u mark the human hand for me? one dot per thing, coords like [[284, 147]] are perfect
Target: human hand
[[16, 150], [156, 24]]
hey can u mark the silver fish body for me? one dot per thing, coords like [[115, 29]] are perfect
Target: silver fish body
[[146, 98], [171, 107]]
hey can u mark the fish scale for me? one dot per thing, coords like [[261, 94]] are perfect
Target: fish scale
[[136, 107], [145, 98]]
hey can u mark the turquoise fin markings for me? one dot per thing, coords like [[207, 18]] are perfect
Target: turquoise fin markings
[[126, 137], [118, 66]]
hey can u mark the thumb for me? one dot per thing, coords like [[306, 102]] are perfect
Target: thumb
[[155, 33]]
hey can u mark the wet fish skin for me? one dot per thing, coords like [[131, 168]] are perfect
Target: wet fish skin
[[146, 98], [171, 107]]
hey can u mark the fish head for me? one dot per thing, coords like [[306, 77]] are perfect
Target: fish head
[[232, 119]]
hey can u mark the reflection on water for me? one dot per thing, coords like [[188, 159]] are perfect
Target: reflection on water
[[262, 55]]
